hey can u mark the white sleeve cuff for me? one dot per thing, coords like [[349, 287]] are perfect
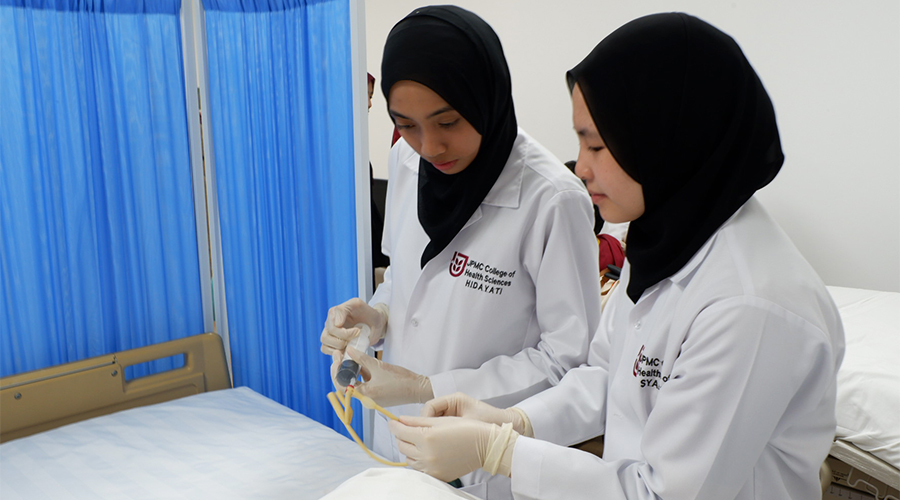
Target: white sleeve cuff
[[442, 384]]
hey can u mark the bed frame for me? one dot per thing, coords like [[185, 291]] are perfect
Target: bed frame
[[849, 466], [44, 399]]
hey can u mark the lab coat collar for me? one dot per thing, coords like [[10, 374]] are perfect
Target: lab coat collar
[[507, 189], [683, 274], [688, 269]]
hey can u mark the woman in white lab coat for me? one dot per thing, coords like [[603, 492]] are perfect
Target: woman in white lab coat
[[493, 287], [712, 375]]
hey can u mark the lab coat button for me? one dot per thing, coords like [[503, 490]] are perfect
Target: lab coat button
[[415, 322], [637, 326]]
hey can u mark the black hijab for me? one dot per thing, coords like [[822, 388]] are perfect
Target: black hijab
[[457, 55], [685, 115]]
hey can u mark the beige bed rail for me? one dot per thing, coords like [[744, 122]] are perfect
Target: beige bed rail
[[40, 400]]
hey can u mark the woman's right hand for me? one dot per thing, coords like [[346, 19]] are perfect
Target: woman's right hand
[[462, 405], [384, 383], [340, 325]]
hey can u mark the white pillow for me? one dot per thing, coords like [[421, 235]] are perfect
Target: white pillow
[[395, 484]]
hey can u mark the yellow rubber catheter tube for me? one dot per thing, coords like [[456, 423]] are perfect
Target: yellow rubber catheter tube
[[341, 405]]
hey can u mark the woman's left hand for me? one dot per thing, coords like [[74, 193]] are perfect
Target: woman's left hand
[[384, 383], [444, 447]]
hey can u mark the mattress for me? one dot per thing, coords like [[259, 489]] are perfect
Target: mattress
[[225, 444], [868, 397]]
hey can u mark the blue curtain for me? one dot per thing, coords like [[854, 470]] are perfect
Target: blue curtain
[[282, 130], [98, 248]]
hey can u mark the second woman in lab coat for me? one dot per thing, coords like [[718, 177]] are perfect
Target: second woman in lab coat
[[713, 373], [493, 287]]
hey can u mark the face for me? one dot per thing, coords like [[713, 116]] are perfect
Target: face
[[371, 92], [434, 129], [618, 197]]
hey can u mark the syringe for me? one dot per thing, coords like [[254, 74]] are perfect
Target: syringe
[[350, 369]]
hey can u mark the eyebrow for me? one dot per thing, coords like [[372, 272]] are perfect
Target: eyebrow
[[435, 113]]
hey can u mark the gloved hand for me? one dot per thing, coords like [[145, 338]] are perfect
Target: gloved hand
[[339, 325], [450, 447], [386, 384], [461, 405]]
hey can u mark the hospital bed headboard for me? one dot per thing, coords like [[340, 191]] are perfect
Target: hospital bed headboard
[[44, 399]]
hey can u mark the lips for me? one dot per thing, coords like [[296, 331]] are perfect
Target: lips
[[596, 197], [444, 166]]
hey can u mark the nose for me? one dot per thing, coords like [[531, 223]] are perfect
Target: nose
[[581, 169], [432, 145]]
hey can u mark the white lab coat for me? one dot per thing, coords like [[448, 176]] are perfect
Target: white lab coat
[[718, 384], [510, 305]]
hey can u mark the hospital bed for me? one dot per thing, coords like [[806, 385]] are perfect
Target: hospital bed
[[864, 461], [83, 430]]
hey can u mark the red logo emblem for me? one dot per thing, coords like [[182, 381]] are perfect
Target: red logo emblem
[[637, 362], [458, 264]]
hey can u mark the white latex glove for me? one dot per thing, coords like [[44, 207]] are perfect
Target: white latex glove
[[446, 448], [461, 405], [335, 336], [386, 384]]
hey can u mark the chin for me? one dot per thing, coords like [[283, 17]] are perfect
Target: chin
[[613, 218]]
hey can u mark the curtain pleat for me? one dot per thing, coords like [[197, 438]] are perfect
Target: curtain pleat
[[282, 130], [98, 246]]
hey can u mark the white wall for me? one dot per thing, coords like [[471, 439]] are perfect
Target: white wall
[[831, 67]]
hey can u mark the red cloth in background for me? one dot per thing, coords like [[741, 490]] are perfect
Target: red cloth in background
[[611, 251], [396, 136]]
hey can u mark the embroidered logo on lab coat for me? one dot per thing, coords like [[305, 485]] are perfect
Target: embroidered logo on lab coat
[[458, 264], [480, 276], [649, 370]]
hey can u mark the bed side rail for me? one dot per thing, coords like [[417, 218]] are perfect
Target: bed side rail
[[44, 399], [861, 470]]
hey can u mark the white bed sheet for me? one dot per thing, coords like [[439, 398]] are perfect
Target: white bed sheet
[[868, 397], [228, 444]]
